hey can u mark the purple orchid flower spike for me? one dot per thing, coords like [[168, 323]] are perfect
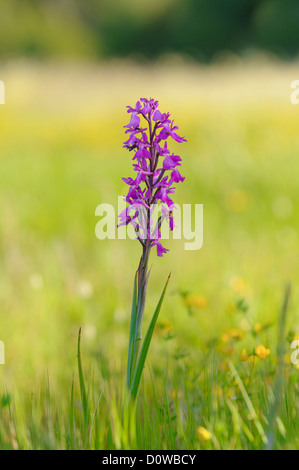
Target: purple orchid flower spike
[[156, 174], [155, 166]]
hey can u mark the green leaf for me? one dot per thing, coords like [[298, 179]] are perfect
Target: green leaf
[[145, 346], [132, 334], [279, 383], [82, 383], [70, 434]]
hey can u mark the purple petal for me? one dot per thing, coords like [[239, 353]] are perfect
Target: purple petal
[[157, 116], [167, 163]]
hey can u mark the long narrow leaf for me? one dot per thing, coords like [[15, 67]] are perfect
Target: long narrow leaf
[[139, 321], [132, 334], [82, 383], [278, 387], [70, 437], [145, 346], [248, 402]]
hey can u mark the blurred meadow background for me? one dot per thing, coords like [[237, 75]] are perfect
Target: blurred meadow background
[[223, 70]]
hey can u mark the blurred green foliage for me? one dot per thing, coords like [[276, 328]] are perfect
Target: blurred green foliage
[[101, 28]]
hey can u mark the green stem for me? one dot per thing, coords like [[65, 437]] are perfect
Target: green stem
[[138, 305]]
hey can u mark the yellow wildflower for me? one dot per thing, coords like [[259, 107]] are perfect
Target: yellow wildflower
[[262, 352], [225, 337], [257, 327], [236, 334], [240, 286], [233, 334], [203, 434], [196, 301]]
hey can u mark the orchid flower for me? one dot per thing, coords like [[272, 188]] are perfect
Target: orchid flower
[[156, 171]]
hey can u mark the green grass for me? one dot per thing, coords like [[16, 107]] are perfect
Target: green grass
[[61, 156], [236, 407]]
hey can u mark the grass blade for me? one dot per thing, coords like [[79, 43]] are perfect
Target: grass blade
[[84, 400], [248, 402], [145, 346], [278, 389], [132, 334]]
